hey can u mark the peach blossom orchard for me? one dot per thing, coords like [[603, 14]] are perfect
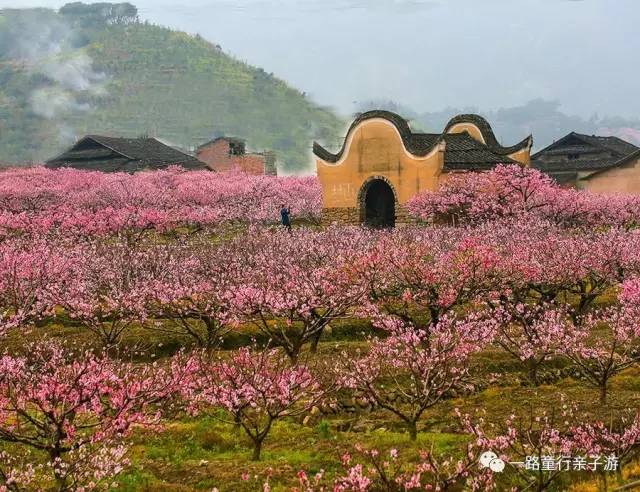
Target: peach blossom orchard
[[504, 260]]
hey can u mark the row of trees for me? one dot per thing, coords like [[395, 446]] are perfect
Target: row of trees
[[536, 285], [513, 191], [530, 284], [81, 202], [99, 14], [66, 416]]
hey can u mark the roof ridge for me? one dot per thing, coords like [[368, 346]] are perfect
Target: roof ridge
[[408, 137], [395, 119], [598, 140]]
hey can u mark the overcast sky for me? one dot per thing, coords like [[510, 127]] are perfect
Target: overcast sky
[[428, 54]]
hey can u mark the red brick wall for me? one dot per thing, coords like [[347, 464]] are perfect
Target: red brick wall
[[216, 156]]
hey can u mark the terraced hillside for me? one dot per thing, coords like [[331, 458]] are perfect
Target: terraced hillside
[[60, 78]]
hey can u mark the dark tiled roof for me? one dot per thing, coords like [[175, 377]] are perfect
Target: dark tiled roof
[[575, 165], [614, 144], [587, 143], [462, 152], [564, 178], [613, 149], [124, 154]]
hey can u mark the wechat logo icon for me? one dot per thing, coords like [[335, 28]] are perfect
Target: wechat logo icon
[[490, 460]]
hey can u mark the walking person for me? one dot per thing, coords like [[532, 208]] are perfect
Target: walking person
[[285, 212]]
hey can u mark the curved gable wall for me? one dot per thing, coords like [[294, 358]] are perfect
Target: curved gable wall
[[375, 148], [523, 156], [380, 145], [470, 128]]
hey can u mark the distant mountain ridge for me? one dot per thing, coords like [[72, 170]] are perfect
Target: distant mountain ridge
[[64, 76]]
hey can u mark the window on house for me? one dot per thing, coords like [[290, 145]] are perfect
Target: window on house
[[236, 148], [573, 157]]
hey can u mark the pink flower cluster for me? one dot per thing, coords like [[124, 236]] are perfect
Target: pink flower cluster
[[514, 191], [75, 409]]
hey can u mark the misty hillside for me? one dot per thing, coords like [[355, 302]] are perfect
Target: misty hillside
[[63, 75]]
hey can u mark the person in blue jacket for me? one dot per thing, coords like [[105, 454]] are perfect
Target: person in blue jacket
[[285, 212]]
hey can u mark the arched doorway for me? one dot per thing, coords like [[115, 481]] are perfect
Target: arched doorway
[[378, 205]]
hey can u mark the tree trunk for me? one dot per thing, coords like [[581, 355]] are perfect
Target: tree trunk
[[314, 342], [293, 352], [413, 430], [257, 448], [603, 393], [54, 456], [532, 371]]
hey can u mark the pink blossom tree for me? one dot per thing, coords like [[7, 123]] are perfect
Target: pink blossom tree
[[85, 202], [29, 267], [110, 288], [541, 263], [298, 283], [533, 334], [412, 369], [256, 388], [529, 437], [503, 192], [619, 439], [420, 275], [67, 413], [516, 191], [605, 344], [194, 292], [370, 470]]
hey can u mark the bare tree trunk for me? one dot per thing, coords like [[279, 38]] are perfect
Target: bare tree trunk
[[413, 430], [257, 448], [603, 393], [532, 371], [315, 340]]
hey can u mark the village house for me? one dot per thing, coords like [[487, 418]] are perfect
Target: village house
[[622, 176], [227, 153], [129, 155], [574, 158], [383, 163]]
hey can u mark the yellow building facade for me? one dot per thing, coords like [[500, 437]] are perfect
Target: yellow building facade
[[621, 177], [383, 164]]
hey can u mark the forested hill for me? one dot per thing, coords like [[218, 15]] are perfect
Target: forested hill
[[97, 69]]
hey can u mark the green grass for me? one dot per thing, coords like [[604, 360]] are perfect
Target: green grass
[[205, 452]]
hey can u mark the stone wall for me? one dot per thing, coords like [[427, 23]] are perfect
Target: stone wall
[[343, 216], [351, 216]]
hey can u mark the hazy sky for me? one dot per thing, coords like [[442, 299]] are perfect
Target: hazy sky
[[428, 54]]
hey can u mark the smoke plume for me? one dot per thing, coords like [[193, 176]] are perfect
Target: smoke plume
[[49, 49]]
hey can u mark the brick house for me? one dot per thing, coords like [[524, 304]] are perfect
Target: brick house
[[226, 153]]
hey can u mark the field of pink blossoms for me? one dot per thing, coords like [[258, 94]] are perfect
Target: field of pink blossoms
[[161, 332]]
